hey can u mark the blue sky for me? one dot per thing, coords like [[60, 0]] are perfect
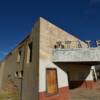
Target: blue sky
[[79, 17]]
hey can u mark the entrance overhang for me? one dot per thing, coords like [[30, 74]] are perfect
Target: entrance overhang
[[77, 55]]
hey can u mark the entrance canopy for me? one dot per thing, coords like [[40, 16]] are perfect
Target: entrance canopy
[[77, 55]]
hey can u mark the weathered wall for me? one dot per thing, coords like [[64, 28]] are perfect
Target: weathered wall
[[31, 72], [28, 85], [32, 87], [49, 35], [77, 55], [10, 68]]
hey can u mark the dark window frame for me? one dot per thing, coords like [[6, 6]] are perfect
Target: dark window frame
[[19, 54]]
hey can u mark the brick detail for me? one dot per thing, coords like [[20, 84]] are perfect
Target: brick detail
[[63, 94]]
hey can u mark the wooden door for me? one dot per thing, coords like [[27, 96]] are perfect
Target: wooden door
[[52, 86]]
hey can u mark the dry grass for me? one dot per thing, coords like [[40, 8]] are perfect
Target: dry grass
[[9, 91], [6, 95]]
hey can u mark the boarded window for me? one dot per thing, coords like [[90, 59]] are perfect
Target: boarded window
[[29, 53], [19, 56], [16, 74], [52, 86], [21, 74]]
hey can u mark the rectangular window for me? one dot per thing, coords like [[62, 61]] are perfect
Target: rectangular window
[[19, 56], [16, 74], [29, 53], [21, 74], [52, 85]]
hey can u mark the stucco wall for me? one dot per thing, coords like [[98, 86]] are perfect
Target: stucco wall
[[44, 36], [49, 35], [62, 76], [77, 55]]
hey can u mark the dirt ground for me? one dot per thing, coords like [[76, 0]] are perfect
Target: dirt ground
[[9, 91], [86, 94]]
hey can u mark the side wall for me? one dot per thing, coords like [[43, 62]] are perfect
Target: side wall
[[31, 71], [28, 85], [10, 67]]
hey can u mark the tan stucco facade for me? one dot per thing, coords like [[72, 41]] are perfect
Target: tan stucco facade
[[32, 86]]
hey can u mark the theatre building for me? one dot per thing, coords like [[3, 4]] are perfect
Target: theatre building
[[49, 63]]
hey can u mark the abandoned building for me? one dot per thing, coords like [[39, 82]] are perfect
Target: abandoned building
[[48, 63]]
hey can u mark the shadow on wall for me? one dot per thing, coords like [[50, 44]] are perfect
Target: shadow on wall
[[76, 72]]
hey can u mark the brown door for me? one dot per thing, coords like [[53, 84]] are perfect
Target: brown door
[[52, 87]]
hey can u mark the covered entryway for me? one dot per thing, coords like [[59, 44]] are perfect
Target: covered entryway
[[79, 65], [80, 75]]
